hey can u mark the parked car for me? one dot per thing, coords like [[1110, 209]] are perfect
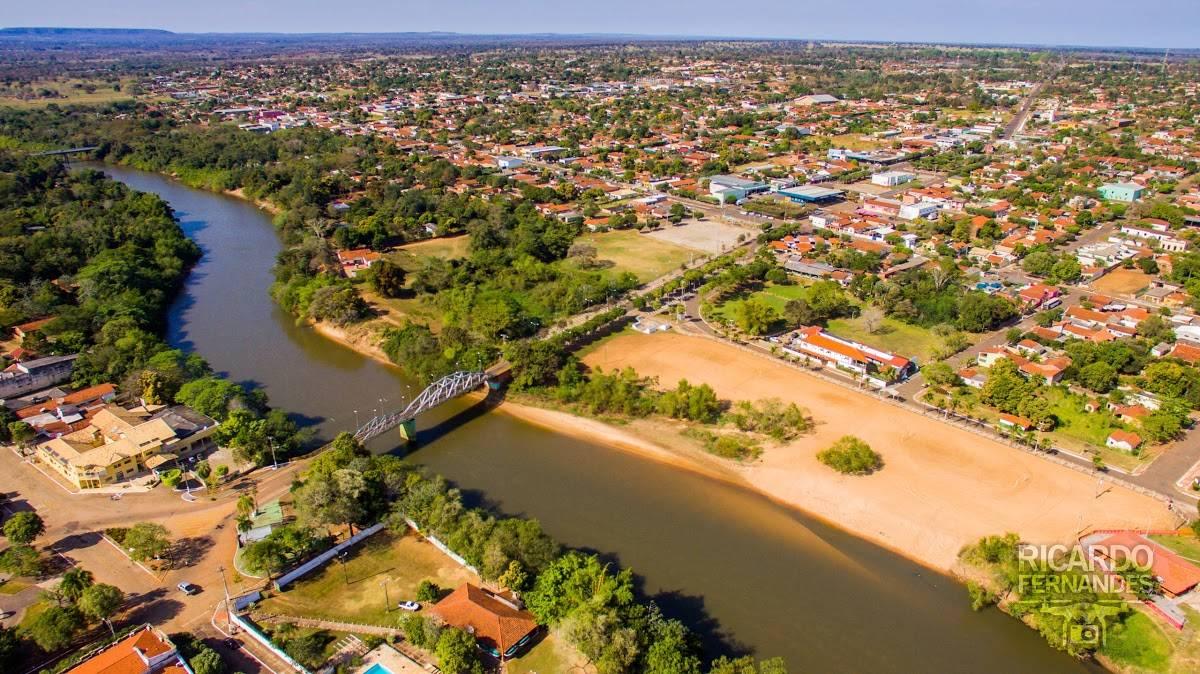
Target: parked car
[[7, 614], [232, 644], [409, 606], [188, 588]]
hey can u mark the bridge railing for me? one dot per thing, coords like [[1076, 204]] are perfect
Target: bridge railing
[[447, 388]]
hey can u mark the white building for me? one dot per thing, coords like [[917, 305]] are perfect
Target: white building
[[892, 178]]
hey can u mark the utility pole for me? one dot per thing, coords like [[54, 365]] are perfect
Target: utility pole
[[387, 602], [228, 602], [274, 463]]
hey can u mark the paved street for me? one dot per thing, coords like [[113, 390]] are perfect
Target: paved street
[[202, 532]]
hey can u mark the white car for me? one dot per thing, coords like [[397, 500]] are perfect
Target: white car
[[409, 606]]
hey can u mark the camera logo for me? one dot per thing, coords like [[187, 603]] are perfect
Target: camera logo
[[1085, 636]]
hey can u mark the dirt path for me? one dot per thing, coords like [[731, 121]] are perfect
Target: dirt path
[[941, 487]]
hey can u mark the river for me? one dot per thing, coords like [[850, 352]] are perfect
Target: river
[[747, 574]]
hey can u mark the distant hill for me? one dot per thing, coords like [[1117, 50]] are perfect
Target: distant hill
[[82, 32]]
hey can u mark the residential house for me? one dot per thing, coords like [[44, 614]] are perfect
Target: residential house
[[145, 651], [356, 260], [814, 342], [500, 625]]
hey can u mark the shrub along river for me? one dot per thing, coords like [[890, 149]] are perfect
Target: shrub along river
[[750, 576]]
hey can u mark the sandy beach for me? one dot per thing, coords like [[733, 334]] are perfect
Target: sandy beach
[[940, 488]]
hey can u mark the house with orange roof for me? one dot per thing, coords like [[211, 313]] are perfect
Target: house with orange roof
[[814, 342], [1175, 575], [146, 651], [500, 625]]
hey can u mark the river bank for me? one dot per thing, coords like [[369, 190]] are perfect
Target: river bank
[[941, 488]]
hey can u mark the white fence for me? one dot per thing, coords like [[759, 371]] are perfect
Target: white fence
[[323, 558]]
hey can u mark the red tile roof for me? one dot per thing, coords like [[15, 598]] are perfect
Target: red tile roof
[[128, 656], [1175, 574], [490, 617]]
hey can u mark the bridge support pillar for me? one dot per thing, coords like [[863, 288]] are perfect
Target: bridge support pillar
[[408, 430]]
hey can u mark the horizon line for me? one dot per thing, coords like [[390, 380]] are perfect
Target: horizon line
[[645, 36]]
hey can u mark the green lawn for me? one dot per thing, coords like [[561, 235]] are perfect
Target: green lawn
[[356, 592], [550, 654], [1082, 431], [13, 586], [1140, 643], [774, 296], [409, 255], [909, 341], [1186, 546], [645, 256]]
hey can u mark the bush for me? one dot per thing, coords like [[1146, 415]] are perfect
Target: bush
[[428, 590], [851, 456], [729, 446], [171, 478]]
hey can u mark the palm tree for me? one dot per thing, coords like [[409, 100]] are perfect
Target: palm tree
[[74, 582]]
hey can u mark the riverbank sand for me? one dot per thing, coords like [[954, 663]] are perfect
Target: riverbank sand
[[941, 487]]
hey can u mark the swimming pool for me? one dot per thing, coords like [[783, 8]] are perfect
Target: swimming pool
[[377, 668]]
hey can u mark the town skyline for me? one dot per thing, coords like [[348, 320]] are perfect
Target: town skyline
[[1093, 24]]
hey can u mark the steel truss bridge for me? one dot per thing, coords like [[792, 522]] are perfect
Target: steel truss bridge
[[447, 388]]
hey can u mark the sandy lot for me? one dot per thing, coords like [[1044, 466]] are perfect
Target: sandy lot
[[940, 488], [1121, 281], [709, 236]]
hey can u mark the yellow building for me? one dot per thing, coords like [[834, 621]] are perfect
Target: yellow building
[[119, 444]]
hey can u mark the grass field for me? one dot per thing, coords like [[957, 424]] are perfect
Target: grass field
[[409, 255], [70, 92], [550, 654], [856, 141], [1139, 643], [646, 257], [13, 586], [1122, 281], [1186, 546], [355, 592], [909, 341], [774, 296]]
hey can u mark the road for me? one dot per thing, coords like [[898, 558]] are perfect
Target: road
[[202, 531], [1017, 123]]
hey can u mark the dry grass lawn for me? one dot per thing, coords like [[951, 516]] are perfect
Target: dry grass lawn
[[355, 593], [940, 487], [646, 257], [409, 255], [1122, 282]]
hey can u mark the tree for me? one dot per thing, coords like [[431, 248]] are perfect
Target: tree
[[427, 590], [55, 628], [851, 456], [1155, 329], [267, 555], [1161, 426], [388, 278], [10, 648], [872, 318], [146, 540], [601, 637], [1005, 387], [456, 652], [940, 374], [1098, 376], [21, 433], [207, 661], [21, 560], [74, 582], [210, 396], [23, 528], [747, 665], [101, 602], [756, 317]]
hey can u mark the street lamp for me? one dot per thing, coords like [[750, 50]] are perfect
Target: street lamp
[[342, 562], [387, 602], [274, 462]]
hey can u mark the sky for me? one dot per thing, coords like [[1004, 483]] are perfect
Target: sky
[[1141, 23]]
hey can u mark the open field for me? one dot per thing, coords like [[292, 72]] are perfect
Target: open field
[[708, 236], [550, 654], [774, 296], [1140, 643], [355, 592], [1186, 546], [409, 255], [941, 487], [69, 92], [1122, 282], [856, 141], [647, 257], [910, 341]]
